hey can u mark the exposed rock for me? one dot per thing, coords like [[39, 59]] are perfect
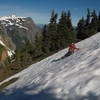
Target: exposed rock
[[20, 29]]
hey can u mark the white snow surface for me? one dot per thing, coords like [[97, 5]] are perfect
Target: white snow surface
[[76, 77]]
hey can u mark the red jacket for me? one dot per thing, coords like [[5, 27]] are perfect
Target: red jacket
[[73, 47]]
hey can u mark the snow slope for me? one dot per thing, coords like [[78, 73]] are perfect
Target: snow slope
[[73, 78]]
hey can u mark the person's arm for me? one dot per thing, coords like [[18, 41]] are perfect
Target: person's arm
[[76, 47]]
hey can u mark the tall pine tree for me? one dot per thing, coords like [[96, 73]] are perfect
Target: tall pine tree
[[94, 22], [45, 39], [99, 22], [80, 29], [52, 32], [65, 30], [88, 17]]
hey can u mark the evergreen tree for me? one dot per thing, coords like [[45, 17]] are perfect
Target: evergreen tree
[[62, 30], [69, 23], [80, 29], [88, 27], [94, 17], [99, 22], [99, 16], [22, 59], [37, 46], [65, 30], [45, 38], [52, 32], [88, 17], [94, 22], [72, 34]]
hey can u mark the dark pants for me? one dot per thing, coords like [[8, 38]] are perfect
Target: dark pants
[[67, 54]]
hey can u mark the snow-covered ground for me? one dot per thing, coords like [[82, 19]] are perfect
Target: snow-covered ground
[[76, 77]]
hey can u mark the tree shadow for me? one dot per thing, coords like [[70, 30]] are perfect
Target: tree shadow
[[89, 96], [20, 94]]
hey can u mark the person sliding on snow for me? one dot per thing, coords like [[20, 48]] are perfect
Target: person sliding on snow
[[71, 49]]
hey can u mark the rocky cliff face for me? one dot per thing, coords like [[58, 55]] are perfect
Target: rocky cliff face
[[14, 31], [20, 29], [6, 40], [7, 47], [3, 55]]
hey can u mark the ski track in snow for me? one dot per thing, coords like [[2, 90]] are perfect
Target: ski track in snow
[[76, 77]]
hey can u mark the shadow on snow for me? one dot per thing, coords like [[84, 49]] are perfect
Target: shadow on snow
[[20, 94]]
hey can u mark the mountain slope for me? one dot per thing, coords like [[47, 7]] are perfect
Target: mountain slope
[[20, 29], [5, 52], [6, 40], [74, 78], [7, 47], [8, 50]]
